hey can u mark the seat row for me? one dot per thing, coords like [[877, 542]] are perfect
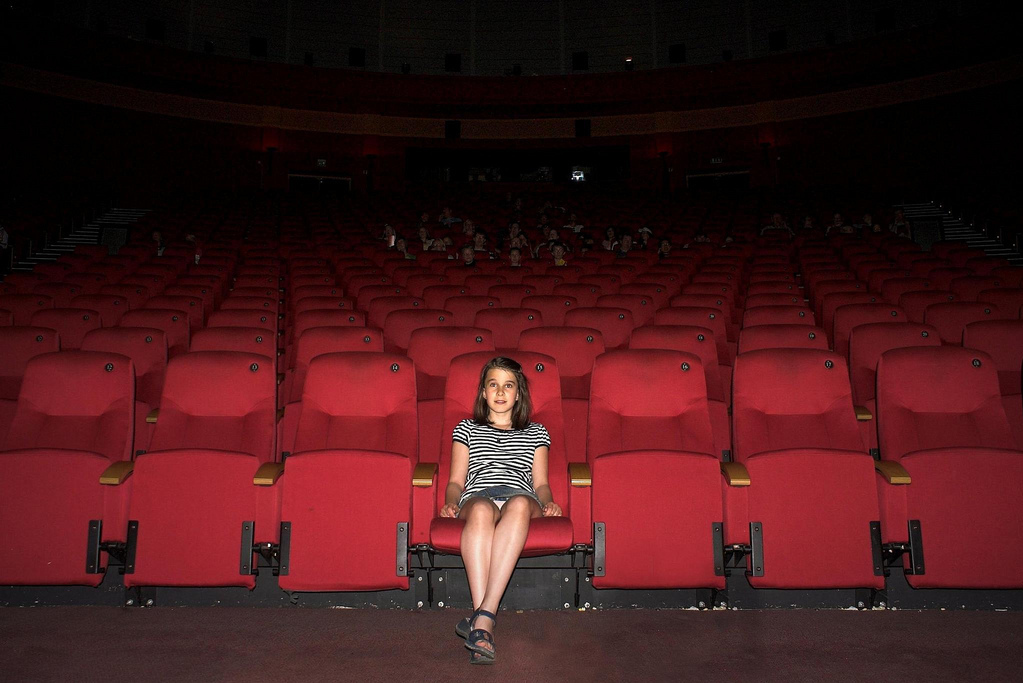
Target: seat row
[[338, 494]]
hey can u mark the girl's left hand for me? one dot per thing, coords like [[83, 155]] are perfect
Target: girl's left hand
[[552, 509]]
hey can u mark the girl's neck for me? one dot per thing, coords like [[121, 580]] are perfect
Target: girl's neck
[[500, 425]]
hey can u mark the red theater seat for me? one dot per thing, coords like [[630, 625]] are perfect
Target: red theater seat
[[135, 295], [71, 324], [547, 535], [61, 292], [317, 341], [649, 428], [552, 307], [1003, 341], [216, 427], [23, 306], [507, 324], [615, 324], [401, 324], [812, 481], [1008, 301], [781, 337], [585, 295], [700, 316], [262, 319], [356, 440], [189, 305], [951, 318], [74, 420], [848, 317], [941, 418], [111, 308], [464, 307], [778, 315], [20, 345]]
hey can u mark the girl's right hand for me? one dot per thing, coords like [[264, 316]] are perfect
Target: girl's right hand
[[449, 510]]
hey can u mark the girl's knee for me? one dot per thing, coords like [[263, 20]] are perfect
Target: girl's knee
[[478, 511], [519, 505]]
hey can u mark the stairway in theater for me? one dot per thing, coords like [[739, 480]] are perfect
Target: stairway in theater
[[957, 230], [85, 234]]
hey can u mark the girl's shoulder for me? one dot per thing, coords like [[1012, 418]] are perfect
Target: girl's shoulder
[[536, 428]]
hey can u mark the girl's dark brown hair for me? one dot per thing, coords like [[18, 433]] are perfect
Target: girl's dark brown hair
[[523, 408]]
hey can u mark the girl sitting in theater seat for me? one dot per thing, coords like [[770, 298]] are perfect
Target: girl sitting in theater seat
[[498, 484]]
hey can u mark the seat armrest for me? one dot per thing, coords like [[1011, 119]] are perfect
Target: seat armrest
[[280, 414], [117, 473], [424, 474], [579, 474], [893, 472], [152, 416], [735, 473], [280, 378], [862, 414], [268, 474]]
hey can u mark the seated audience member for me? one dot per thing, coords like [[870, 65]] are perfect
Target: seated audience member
[[809, 224], [157, 240], [447, 217], [778, 225], [644, 237], [402, 248], [625, 247], [515, 257], [439, 245], [424, 238], [573, 224], [875, 228], [469, 230], [839, 225], [866, 223], [558, 252], [468, 253], [388, 235], [664, 248], [900, 226], [610, 242]]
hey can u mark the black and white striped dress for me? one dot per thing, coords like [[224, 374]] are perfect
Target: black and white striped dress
[[499, 457]]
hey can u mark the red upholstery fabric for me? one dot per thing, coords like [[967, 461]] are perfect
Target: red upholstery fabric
[[507, 324], [585, 295], [416, 284], [649, 428], [795, 429], [825, 495], [61, 292], [782, 337], [830, 303], [951, 318], [264, 320], [1003, 341], [657, 293], [401, 324], [23, 306], [382, 306], [642, 308], [89, 283], [47, 499], [967, 288], [778, 315], [6, 318], [341, 500], [967, 502], [1008, 301], [895, 287], [698, 341], [71, 324], [319, 340], [942, 278], [221, 400], [20, 345], [135, 295], [76, 400], [365, 295], [792, 398], [323, 317], [834, 287], [615, 325], [699, 316], [511, 295], [111, 308], [377, 411], [778, 299], [479, 285], [609, 284], [208, 294], [938, 398], [436, 296], [547, 535], [245, 339], [189, 305], [543, 284], [165, 485], [552, 307], [147, 348], [849, 316], [869, 341], [574, 349], [173, 323], [915, 303], [464, 307], [432, 348], [250, 303]]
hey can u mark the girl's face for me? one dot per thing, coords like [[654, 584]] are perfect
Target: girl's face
[[610, 233], [423, 235], [501, 391]]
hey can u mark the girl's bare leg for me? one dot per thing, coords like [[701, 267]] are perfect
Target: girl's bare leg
[[507, 543], [480, 517]]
